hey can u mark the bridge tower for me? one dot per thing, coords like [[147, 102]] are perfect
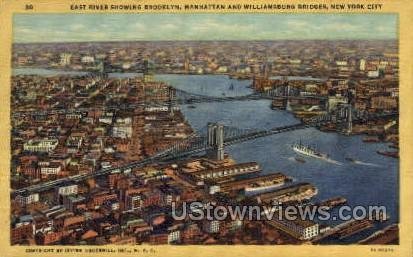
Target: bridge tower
[[147, 72], [101, 70], [267, 70], [171, 102], [349, 119], [215, 141], [344, 117], [288, 91]]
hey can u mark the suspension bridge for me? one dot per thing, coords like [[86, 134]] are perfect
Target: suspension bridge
[[212, 143], [176, 97]]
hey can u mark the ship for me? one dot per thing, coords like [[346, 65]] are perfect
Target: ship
[[261, 189], [308, 151], [297, 192], [264, 186], [253, 185]]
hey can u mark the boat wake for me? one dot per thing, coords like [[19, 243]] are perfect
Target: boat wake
[[291, 158], [332, 161], [367, 164], [294, 159]]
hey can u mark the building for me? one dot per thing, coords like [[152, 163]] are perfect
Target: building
[[87, 59], [334, 101], [373, 74], [362, 66], [383, 103], [64, 191], [72, 202], [40, 145], [169, 194], [174, 233], [227, 171], [50, 168], [122, 128], [21, 232], [65, 59], [211, 226], [27, 199], [300, 229]]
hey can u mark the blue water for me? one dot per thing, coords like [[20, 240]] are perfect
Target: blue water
[[373, 183], [46, 72], [299, 78]]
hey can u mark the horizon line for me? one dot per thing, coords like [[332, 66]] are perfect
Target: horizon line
[[207, 40]]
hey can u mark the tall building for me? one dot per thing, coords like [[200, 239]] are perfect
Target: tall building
[[362, 65], [267, 70], [65, 59], [186, 65]]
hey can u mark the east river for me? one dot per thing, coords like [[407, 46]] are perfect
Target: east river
[[372, 181]]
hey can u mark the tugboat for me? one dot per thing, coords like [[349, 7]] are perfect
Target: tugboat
[[388, 153], [299, 159], [351, 159]]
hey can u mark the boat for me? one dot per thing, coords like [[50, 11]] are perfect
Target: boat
[[231, 87], [265, 185], [371, 139], [350, 159], [354, 227], [297, 192], [333, 202], [308, 151], [191, 106], [389, 154], [299, 159], [261, 189]]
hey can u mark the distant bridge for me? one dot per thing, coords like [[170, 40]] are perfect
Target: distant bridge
[[176, 96]]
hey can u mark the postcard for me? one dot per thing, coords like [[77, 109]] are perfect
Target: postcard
[[233, 128]]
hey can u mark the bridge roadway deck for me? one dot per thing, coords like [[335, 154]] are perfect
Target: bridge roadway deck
[[203, 99], [166, 156]]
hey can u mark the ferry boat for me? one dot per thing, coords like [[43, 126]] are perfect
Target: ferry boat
[[308, 151]]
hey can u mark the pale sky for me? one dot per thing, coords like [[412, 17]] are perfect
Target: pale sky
[[128, 27]]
